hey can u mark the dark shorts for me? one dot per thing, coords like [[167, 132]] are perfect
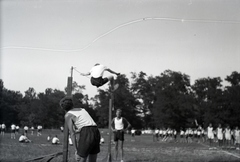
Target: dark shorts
[[98, 81], [89, 141], [118, 135]]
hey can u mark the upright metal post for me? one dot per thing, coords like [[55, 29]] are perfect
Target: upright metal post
[[109, 158], [66, 131]]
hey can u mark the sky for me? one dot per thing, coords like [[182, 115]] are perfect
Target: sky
[[40, 40]]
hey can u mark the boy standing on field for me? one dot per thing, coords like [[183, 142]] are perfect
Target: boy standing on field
[[119, 125], [83, 130], [13, 129]]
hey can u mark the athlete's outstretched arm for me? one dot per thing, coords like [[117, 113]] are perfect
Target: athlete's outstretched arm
[[111, 71], [85, 74]]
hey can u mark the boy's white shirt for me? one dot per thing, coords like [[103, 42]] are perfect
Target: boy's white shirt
[[97, 71], [55, 140], [22, 138], [118, 123], [82, 118]]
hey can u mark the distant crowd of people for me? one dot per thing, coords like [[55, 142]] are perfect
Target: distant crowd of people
[[25, 131], [15, 129], [223, 136]]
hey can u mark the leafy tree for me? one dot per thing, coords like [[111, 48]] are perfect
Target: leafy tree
[[9, 105], [101, 105], [234, 78], [76, 88], [26, 115], [54, 114], [209, 96], [174, 106], [143, 90], [232, 98], [126, 101]]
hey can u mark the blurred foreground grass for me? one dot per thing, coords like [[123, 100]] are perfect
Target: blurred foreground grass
[[141, 148]]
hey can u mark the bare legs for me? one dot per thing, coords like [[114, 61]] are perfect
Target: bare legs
[[121, 150]]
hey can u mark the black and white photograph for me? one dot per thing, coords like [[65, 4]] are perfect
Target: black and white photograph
[[119, 80]]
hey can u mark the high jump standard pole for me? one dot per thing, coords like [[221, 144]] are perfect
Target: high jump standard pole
[[109, 158], [66, 131]]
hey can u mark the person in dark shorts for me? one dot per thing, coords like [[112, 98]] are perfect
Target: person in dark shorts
[[119, 125], [97, 78], [83, 130]]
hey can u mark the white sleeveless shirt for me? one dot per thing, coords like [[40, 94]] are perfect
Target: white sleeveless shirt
[[97, 71], [119, 123], [83, 118]]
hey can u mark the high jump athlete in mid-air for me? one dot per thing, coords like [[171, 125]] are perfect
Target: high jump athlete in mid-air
[[97, 78]]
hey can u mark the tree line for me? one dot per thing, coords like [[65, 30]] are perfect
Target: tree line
[[166, 100]]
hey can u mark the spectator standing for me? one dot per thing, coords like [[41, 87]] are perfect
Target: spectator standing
[[39, 130], [227, 133], [61, 128], [220, 135], [25, 130], [210, 134], [17, 129], [3, 129], [133, 131], [13, 129], [119, 125], [237, 137], [32, 130]]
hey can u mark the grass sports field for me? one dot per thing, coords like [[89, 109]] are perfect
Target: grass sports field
[[138, 149]]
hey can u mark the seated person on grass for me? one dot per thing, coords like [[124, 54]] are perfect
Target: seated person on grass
[[55, 140], [23, 139]]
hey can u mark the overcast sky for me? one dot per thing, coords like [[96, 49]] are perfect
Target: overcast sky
[[42, 39]]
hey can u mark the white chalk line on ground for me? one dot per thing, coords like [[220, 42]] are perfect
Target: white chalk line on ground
[[226, 152]]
